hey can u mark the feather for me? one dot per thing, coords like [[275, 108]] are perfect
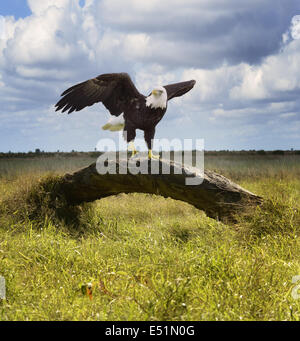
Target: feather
[[114, 90], [179, 89]]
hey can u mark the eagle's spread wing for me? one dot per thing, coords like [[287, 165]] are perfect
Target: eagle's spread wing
[[114, 90], [179, 89]]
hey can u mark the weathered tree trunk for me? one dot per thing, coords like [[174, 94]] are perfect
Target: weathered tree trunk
[[216, 195]]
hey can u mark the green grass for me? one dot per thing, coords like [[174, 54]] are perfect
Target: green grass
[[151, 258]]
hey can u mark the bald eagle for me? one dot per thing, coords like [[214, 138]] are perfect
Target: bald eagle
[[131, 109]]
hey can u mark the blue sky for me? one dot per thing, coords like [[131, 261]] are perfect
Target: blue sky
[[17, 8], [244, 55]]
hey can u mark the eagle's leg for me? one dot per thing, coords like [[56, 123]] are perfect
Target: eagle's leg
[[131, 148], [129, 135], [149, 135]]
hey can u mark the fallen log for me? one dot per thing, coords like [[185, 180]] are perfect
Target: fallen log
[[216, 195]]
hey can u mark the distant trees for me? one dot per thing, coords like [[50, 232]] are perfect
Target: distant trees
[[278, 152], [40, 153]]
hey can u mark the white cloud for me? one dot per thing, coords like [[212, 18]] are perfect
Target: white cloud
[[276, 76], [214, 85], [2, 27], [295, 27], [39, 7], [288, 115], [279, 73], [252, 86]]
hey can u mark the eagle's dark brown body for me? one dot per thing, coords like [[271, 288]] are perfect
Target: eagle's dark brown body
[[139, 116], [119, 95]]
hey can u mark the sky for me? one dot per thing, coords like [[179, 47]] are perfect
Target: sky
[[244, 56]]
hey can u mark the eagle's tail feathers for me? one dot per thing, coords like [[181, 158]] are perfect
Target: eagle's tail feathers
[[115, 124]]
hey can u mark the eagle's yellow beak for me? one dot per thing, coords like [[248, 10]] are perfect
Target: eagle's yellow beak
[[154, 92]]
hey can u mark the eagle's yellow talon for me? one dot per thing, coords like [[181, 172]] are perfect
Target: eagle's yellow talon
[[133, 153], [132, 149], [152, 156]]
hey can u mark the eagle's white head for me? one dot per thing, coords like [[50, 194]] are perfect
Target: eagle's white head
[[158, 98]]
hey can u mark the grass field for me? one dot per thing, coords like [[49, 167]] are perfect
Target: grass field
[[150, 258]]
